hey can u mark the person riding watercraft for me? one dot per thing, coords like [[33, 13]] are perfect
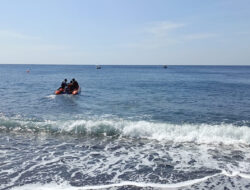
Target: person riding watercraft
[[61, 89], [70, 88], [64, 84], [75, 84]]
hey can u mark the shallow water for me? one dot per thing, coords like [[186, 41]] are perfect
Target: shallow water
[[185, 127]]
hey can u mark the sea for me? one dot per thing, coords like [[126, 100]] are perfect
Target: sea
[[131, 127]]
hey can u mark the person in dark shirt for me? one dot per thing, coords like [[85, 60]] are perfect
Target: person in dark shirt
[[64, 84], [75, 84], [69, 88]]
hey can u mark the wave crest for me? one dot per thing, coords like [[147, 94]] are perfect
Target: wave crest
[[199, 133]]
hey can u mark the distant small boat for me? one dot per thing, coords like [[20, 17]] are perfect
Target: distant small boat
[[98, 67], [28, 71], [165, 66]]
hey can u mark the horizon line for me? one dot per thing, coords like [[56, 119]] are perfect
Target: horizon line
[[117, 65]]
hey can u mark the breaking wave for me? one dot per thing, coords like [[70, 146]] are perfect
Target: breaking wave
[[199, 133]]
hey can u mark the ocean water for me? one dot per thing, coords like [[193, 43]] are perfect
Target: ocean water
[[132, 127]]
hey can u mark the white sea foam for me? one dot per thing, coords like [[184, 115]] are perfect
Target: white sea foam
[[236, 173], [52, 96], [124, 183], [199, 133], [66, 186], [125, 159]]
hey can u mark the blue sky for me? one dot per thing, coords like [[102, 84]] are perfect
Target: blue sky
[[131, 32]]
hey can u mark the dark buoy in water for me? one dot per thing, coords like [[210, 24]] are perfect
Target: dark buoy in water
[[98, 67], [165, 66], [28, 71]]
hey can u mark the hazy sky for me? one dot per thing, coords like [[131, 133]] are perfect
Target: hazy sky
[[155, 32]]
